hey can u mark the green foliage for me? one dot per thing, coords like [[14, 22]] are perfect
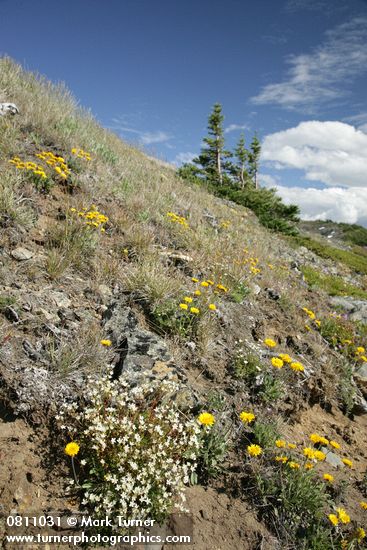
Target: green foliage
[[271, 388], [254, 160], [354, 233], [238, 168], [211, 161], [168, 319], [5, 301], [267, 205], [213, 450], [332, 284], [247, 366], [353, 260], [265, 433], [293, 503], [239, 292], [104, 152]]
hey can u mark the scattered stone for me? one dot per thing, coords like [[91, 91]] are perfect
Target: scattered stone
[[332, 458], [60, 299], [255, 289], [273, 294], [139, 352], [21, 254], [11, 315], [356, 309]]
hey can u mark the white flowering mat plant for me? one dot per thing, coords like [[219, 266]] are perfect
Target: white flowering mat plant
[[135, 451]]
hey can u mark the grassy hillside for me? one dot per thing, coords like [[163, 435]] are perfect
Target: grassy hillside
[[166, 335]]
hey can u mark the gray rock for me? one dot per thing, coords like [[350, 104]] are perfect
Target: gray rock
[[21, 254], [356, 309], [332, 458], [60, 299], [360, 378], [255, 289], [139, 353]]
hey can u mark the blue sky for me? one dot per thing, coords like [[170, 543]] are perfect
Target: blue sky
[[295, 71]]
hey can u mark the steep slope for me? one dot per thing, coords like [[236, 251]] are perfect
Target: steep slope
[[106, 257]]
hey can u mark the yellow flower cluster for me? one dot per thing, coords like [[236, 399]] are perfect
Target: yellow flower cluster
[[278, 362], [207, 284], [360, 354], [312, 317], [37, 169], [93, 218], [81, 154], [341, 516], [56, 162], [175, 218]]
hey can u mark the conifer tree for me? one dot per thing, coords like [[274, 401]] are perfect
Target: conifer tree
[[212, 165], [254, 159], [239, 170]]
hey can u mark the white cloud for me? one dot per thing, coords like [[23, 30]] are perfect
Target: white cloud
[[147, 138], [266, 180], [144, 138], [235, 127], [331, 152], [324, 74], [333, 203], [181, 158]]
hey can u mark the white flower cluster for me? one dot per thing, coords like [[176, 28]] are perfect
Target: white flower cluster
[[137, 450]]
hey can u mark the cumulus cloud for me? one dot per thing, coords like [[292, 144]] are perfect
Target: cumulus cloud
[[331, 152], [333, 203], [323, 75]]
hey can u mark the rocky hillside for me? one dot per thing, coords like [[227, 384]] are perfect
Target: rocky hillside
[[122, 285]]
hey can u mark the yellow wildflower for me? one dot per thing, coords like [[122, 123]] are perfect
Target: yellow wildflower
[[333, 518], [285, 357], [183, 306], [270, 343], [296, 366], [195, 280], [293, 465], [254, 450], [277, 363], [334, 444], [106, 343], [197, 293], [195, 310], [280, 443], [360, 349], [309, 466], [282, 459], [72, 448], [206, 419], [204, 284], [213, 307], [188, 300], [347, 462], [319, 455], [360, 533], [309, 453], [343, 516], [363, 505], [291, 446], [328, 477], [247, 417]]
